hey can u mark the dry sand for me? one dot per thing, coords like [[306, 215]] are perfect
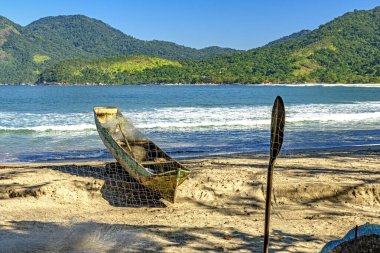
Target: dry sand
[[318, 197]]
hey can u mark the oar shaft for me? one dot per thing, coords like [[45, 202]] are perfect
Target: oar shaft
[[268, 206]]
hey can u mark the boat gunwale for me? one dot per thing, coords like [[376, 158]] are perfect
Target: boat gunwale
[[175, 172]]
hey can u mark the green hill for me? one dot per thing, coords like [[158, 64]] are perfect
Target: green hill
[[78, 49], [26, 51], [345, 50], [92, 38]]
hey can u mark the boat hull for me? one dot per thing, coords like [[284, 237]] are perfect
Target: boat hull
[[164, 183]]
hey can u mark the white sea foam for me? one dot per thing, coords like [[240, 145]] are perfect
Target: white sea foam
[[343, 115], [193, 118], [360, 85], [63, 128], [354, 115], [336, 117], [50, 122]]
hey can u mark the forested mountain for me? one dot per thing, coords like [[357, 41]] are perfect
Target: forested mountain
[[345, 50], [93, 38], [26, 51]]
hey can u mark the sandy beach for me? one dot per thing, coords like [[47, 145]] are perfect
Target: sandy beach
[[318, 197]]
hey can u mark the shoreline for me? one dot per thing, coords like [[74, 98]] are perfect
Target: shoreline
[[333, 151], [293, 152], [369, 85]]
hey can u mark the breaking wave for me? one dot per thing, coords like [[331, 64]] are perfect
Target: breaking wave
[[36, 129], [355, 115]]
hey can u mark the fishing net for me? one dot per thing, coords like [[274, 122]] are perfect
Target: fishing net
[[134, 172], [144, 175], [365, 238], [118, 188]]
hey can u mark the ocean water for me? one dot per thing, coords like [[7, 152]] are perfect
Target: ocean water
[[55, 123]]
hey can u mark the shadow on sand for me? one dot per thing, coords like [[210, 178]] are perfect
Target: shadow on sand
[[33, 236], [119, 189]]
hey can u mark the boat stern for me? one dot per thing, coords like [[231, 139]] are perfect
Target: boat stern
[[105, 113]]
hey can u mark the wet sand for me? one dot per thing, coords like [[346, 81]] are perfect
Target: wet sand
[[318, 197]]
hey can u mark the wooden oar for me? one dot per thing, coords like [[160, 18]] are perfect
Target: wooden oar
[[276, 139]]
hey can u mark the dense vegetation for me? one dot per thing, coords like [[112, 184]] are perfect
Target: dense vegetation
[[115, 70], [26, 51], [345, 50]]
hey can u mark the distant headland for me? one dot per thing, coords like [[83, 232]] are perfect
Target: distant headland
[[79, 50]]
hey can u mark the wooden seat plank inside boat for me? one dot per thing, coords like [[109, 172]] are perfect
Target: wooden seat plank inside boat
[[139, 142], [159, 162]]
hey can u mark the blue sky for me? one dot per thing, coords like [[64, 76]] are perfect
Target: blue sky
[[241, 24]]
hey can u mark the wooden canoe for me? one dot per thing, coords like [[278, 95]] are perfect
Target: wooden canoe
[[142, 158]]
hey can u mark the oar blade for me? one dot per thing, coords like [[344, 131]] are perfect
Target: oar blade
[[277, 127]]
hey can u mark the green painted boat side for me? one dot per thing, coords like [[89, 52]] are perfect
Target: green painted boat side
[[165, 183]]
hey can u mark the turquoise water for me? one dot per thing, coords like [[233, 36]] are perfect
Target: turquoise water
[[53, 123]]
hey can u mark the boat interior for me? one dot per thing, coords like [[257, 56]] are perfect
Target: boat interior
[[133, 142], [150, 156]]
